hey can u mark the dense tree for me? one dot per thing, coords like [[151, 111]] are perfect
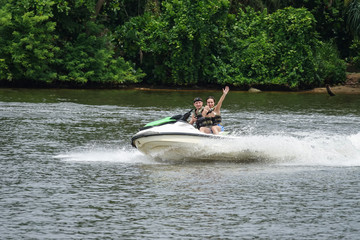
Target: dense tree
[[239, 42], [27, 42], [353, 17], [44, 41], [201, 43]]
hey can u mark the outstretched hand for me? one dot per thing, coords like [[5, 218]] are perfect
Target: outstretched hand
[[226, 90]]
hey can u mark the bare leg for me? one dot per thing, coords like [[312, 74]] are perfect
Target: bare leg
[[205, 130], [216, 129]]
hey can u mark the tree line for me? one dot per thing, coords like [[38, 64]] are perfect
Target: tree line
[[294, 44]]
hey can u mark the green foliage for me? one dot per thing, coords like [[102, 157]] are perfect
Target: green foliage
[[201, 43], [177, 44], [330, 17], [27, 42], [275, 49], [353, 17], [174, 42], [293, 33], [355, 50], [330, 68], [89, 59], [5, 22], [249, 53], [44, 42]]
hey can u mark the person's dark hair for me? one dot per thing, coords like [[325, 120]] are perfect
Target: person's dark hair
[[197, 99], [211, 97]]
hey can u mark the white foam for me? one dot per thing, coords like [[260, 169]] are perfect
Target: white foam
[[310, 149], [355, 140], [302, 149], [105, 155]]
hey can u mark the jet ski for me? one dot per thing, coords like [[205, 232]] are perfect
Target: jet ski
[[173, 138]]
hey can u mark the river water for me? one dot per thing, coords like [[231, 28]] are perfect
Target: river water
[[68, 170]]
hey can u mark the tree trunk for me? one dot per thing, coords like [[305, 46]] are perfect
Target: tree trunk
[[328, 89], [98, 6]]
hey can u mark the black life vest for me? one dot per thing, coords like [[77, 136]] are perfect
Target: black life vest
[[202, 121], [216, 120]]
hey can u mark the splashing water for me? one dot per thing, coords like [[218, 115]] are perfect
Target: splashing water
[[340, 150], [123, 155], [308, 150]]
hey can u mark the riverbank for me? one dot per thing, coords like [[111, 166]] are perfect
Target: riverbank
[[351, 86]]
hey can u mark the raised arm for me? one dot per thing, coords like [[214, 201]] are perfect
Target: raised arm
[[218, 105]]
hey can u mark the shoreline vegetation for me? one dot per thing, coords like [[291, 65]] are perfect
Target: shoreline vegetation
[[294, 46], [350, 86]]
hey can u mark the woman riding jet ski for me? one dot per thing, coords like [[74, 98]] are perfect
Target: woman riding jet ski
[[208, 118]]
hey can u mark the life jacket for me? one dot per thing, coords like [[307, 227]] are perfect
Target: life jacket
[[202, 121], [216, 120]]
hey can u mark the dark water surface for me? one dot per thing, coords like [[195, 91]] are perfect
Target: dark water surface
[[68, 170]]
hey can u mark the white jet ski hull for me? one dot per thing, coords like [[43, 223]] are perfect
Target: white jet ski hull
[[178, 141]]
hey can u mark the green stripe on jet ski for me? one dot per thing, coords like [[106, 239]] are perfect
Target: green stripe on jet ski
[[160, 122]]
